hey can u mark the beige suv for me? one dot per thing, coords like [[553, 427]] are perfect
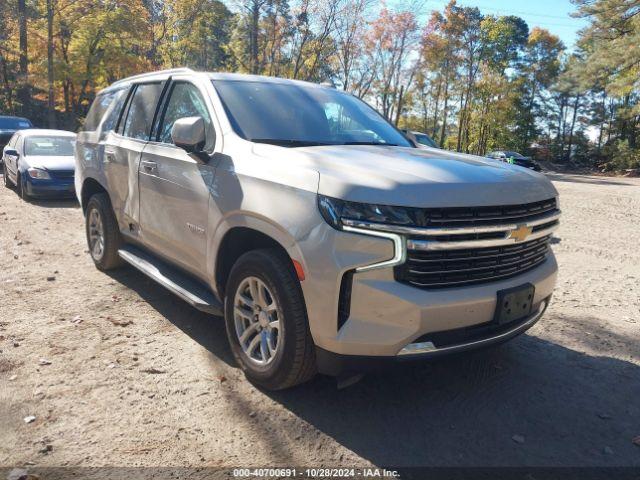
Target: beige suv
[[327, 241]]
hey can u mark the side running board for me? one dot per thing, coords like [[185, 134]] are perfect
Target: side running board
[[191, 291]]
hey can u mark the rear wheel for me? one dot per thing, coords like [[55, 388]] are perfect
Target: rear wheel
[[266, 321], [103, 235]]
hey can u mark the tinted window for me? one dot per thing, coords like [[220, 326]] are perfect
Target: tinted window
[[185, 101], [141, 111], [112, 117], [49, 146], [14, 123], [425, 140], [295, 115], [97, 110]]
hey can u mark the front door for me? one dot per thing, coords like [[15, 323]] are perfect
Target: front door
[[174, 185]]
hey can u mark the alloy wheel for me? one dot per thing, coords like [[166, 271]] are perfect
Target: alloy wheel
[[96, 234], [257, 321]]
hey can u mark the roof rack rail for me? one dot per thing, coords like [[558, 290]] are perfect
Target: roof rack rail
[[148, 74]]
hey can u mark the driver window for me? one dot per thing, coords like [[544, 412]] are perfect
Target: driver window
[[186, 101]]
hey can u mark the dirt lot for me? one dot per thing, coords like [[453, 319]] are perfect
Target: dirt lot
[[117, 371]]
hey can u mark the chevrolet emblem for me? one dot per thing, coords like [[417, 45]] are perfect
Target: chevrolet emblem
[[520, 233]]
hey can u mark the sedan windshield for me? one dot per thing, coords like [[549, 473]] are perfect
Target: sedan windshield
[[297, 116], [54, 146]]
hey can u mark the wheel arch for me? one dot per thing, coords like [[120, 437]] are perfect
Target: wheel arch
[[90, 187], [237, 241]]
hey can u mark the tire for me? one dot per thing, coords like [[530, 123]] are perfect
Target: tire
[[22, 192], [103, 234], [294, 359], [5, 175]]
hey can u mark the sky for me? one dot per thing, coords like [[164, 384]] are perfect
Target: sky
[[550, 14]]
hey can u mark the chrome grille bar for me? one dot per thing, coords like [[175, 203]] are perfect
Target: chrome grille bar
[[453, 245], [428, 231]]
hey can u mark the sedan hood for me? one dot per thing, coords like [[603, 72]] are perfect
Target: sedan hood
[[66, 162], [415, 177]]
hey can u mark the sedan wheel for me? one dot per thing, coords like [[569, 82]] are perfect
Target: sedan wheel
[[5, 175]]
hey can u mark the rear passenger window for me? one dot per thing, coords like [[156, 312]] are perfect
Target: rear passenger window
[[141, 110], [96, 112], [112, 117]]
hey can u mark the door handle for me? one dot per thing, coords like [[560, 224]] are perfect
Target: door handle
[[109, 155], [149, 166]]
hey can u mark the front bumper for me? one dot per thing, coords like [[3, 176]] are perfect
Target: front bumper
[[330, 363], [49, 188], [386, 316]]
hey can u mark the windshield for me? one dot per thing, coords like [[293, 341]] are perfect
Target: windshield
[[54, 146], [14, 123], [295, 116], [514, 155], [425, 139]]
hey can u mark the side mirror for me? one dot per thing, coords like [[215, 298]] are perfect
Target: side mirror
[[411, 137], [12, 152], [188, 133]]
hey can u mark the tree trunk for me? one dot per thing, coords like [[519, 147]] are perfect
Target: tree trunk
[[445, 111], [51, 113], [460, 120], [22, 21], [255, 18], [435, 110], [573, 124], [24, 92], [399, 111]]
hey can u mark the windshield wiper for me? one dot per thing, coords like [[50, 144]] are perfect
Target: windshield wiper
[[287, 142], [371, 143]]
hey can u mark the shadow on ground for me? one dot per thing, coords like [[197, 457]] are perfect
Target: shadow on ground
[[570, 408], [575, 178], [55, 203]]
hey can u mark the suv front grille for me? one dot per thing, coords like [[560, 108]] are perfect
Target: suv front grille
[[477, 216], [465, 246], [452, 268]]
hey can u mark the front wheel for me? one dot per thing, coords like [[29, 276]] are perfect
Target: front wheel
[[103, 235], [20, 188], [266, 321], [5, 175]]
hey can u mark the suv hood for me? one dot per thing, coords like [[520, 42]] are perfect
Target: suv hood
[[417, 177]]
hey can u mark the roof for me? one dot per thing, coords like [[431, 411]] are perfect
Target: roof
[[242, 77], [30, 132], [13, 116], [238, 77]]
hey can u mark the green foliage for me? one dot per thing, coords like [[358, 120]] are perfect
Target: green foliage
[[622, 157]]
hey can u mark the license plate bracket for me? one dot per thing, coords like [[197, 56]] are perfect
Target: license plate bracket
[[514, 303]]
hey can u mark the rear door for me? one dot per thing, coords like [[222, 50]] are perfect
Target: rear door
[[174, 185], [123, 149]]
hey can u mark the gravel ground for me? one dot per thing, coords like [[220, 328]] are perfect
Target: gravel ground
[[118, 372]]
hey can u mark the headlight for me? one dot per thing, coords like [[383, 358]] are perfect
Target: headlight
[[38, 173], [334, 211]]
